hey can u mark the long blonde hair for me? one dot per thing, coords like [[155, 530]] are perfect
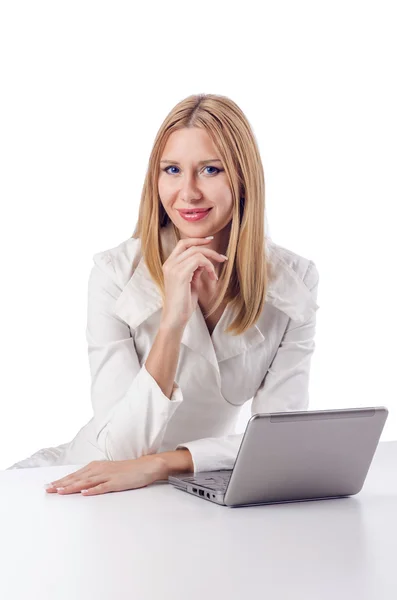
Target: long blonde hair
[[244, 277]]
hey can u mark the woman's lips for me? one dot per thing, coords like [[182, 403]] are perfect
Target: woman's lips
[[198, 216]]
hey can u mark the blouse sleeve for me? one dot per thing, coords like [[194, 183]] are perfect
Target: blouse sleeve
[[284, 388], [130, 410]]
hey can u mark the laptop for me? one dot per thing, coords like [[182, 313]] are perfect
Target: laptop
[[294, 457]]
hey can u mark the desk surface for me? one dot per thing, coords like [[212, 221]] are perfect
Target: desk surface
[[159, 542]]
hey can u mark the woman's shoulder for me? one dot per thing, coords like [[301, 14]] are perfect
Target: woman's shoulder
[[120, 260], [288, 263]]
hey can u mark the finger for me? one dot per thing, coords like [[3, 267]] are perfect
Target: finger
[[197, 274], [72, 476], [77, 486], [56, 485], [205, 251], [186, 243], [102, 488], [198, 261]]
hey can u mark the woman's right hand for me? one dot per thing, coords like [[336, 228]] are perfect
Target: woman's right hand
[[182, 271]]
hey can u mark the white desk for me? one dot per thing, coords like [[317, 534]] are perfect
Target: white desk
[[159, 542]]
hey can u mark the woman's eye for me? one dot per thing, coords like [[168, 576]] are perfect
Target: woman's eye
[[208, 167]]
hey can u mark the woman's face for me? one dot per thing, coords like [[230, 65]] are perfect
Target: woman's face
[[192, 177]]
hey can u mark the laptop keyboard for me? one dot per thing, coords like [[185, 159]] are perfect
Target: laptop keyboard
[[216, 481]]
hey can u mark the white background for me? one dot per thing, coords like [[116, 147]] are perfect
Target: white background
[[84, 89]]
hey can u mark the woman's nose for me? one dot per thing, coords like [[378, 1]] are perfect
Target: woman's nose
[[189, 188]]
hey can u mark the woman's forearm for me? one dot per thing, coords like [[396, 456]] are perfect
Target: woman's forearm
[[162, 363], [162, 360]]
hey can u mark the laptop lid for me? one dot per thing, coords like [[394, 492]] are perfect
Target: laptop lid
[[303, 455]]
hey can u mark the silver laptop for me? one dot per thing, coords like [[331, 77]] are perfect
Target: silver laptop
[[294, 456]]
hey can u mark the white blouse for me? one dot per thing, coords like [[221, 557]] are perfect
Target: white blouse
[[216, 373]]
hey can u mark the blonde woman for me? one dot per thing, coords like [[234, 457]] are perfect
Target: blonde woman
[[195, 314]]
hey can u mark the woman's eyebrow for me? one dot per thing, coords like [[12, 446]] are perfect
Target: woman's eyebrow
[[202, 162]]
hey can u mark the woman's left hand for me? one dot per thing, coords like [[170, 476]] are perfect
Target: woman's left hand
[[103, 476]]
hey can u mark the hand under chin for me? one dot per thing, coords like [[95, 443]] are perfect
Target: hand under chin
[[206, 286]]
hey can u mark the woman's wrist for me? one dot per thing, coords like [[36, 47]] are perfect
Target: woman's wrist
[[174, 462]]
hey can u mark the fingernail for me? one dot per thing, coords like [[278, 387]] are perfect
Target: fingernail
[[224, 256], [210, 237], [60, 489], [48, 485]]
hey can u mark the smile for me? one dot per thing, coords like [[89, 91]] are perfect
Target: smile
[[195, 216]]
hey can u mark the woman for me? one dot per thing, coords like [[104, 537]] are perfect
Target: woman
[[191, 317]]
